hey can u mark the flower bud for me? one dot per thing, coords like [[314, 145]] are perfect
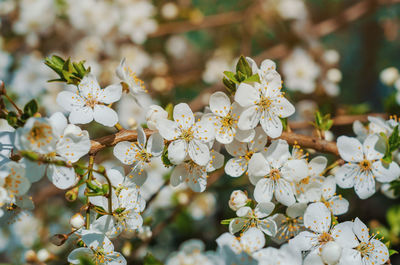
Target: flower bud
[[238, 199], [58, 239], [43, 255], [334, 75], [77, 221], [153, 115], [331, 253], [389, 75], [331, 57]]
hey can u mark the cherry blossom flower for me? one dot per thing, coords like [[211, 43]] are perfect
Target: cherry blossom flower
[[190, 252], [129, 78], [139, 154], [257, 217], [243, 152], [264, 103], [274, 174], [290, 224], [90, 102], [238, 199], [98, 248], [187, 136], [364, 165], [13, 182], [155, 113], [225, 120], [317, 218], [368, 251], [194, 175], [251, 241]]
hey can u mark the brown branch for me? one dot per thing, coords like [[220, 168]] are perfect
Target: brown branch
[[337, 121], [292, 138]]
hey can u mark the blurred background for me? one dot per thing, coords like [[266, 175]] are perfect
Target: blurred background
[[336, 56]]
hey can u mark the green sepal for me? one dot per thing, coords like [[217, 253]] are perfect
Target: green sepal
[[243, 67]]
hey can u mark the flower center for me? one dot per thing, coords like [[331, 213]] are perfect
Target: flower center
[[227, 121], [143, 156], [305, 180], [187, 135], [365, 165], [325, 238], [274, 174], [365, 248], [248, 155], [40, 134], [265, 102], [134, 79], [289, 228], [99, 255]]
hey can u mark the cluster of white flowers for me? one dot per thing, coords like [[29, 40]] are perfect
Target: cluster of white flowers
[[191, 143]]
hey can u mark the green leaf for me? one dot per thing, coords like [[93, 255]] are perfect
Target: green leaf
[[240, 77], [31, 108], [393, 218], [165, 159], [85, 261], [68, 71], [149, 259], [227, 221], [253, 78], [12, 118], [392, 252], [229, 85], [243, 67], [394, 139], [231, 76]]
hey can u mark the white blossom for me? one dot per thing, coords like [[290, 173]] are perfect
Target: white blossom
[[251, 241], [187, 136], [90, 102], [363, 165]]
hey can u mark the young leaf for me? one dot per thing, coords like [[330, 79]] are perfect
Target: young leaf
[[231, 76], [243, 67], [31, 108], [149, 259], [253, 78]]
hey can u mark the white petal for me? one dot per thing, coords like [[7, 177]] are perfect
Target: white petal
[[317, 218], [364, 186], [35, 171], [339, 205], [303, 241], [138, 175], [361, 230], [284, 192], [247, 95], [283, 107], [168, 129], [177, 151], [295, 170], [258, 166], [345, 175], [268, 226], [264, 190], [253, 240], [350, 256], [62, 177], [235, 167], [237, 225], [230, 240], [70, 101], [271, 124], [204, 131], [329, 187], [374, 147], [141, 137], [81, 116], [220, 104], [183, 115], [380, 253], [155, 145], [296, 210], [236, 148], [264, 209], [76, 254], [178, 174], [386, 173], [74, 144], [110, 94], [199, 152], [244, 135], [317, 165], [217, 161], [125, 152], [350, 149], [89, 87], [257, 144], [58, 123], [105, 115], [249, 118], [197, 181], [224, 135], [343, 235]]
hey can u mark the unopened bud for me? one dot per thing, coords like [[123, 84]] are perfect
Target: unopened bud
[[144, 232], [72, 194], [238, 199], [30, 256], [58, 239], [43, 255], [77, 221], [389, 75], [154, 114]]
